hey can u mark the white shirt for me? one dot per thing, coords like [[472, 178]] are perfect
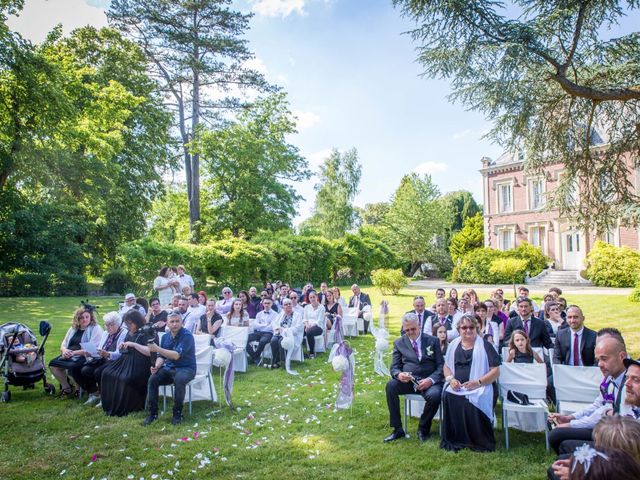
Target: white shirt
[[197, 311], [263, 321], [296, 322], [299, 309], [224, 306], [185, 281], [314, 316], [125, 308], [589, 416], [190, 320]]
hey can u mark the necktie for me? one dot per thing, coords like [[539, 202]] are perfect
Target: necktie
[[442, 320], [415, 348], [576, 351], [526, 327], [420, 320]]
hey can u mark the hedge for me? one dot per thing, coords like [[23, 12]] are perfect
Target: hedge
[[475, 266], [609, 266], [42, 284]]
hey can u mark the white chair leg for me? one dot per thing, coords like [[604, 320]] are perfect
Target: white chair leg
[[505, 426], [546, 439], [189, 400]]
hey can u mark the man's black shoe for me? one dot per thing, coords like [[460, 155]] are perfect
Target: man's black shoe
[[149, 420], [395, 435], [176, 420], [423, 436]]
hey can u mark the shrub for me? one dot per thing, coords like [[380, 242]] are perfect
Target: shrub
[[536, 260], [634, 296], [510, 270], [117, 281], [469, 238], [389, 281], [42, 284], [69, 284], [609, 266]]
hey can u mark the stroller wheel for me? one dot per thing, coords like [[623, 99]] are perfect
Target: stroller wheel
[[6, 397], [50, 389]]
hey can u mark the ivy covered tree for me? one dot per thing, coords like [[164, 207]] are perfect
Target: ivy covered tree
[[555, 82], [197, 53]]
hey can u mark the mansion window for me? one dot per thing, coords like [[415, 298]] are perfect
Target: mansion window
[[505, 238], [505, 198], [536, 237], [536, 199]]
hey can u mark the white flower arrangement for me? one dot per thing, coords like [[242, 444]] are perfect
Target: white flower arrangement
[[222, 357], [340, 363], [584, 455], [429, 351]]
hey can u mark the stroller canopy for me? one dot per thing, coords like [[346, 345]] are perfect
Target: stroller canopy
[[24, 334]]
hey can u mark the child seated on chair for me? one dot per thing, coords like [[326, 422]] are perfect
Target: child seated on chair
[[441, 333], [520, 350]]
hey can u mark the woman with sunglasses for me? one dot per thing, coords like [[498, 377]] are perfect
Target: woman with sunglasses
[[471, 367], [553, 319]]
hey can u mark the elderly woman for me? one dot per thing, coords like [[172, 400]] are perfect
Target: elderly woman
[[224, 306], [471, 367], [165, 286], [84, 329], [108, 350], [313, 319], [124, 381]]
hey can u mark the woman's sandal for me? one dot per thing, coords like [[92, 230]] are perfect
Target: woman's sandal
[[67, 392]]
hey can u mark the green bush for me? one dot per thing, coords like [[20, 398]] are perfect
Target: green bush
[[536, 260], [69, 285], [361, 255], [117, 281], [42, 284], [609, 266], [389, 281], [634, 296]]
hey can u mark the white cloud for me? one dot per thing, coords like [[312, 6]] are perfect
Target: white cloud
[[278, 8], [305, 120], [315, 159], [470, 133], [429, 168], [40, 16], [256, 64]]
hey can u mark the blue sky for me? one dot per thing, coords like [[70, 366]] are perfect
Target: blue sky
[[352, 80]]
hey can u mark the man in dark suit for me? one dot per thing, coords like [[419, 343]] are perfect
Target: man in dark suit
[[575, 345], [420, 309], [359, 300], [416, 368], [532, 326]]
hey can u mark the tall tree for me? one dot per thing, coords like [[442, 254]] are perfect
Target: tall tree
[[248, 170], [459, 206], [556, 85], [197, 51], [373, 213], [333, 212], [415, 223], [470, 237]]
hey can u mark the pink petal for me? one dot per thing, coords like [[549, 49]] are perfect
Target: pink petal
[[196, 434], [94, 457]]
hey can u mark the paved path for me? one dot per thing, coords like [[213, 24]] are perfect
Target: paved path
[[432, 284]]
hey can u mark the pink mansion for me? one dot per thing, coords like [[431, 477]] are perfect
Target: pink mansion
[[514, 213]]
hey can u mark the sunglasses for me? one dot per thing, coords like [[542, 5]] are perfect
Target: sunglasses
[[467, 328]]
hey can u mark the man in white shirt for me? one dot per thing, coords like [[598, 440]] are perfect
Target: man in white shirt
[[419, 308], [189, 320], [610, 353], [185, 279], [523, 292], [262, 330], [195, 311], [130, 303]]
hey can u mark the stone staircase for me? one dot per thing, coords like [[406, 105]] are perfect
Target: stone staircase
[[559, 278]]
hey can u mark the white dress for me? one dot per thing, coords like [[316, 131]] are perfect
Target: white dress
[[165, 295]]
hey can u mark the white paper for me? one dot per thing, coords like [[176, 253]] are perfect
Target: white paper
[[90, 348]]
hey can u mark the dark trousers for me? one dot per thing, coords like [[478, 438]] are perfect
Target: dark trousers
[[276, 349], [263, 338], [431, 395], [560, 435], [166, 376], [311, 335], [89, 376]]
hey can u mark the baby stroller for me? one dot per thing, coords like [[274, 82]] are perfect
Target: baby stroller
[[21, 359]]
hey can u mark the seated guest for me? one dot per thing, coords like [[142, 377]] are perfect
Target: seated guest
[[264, 295], [578, 426], [416, 367], [262, 331], [237, 316], [471, 367], [440, 293], [123, 383], [532, 326], [549, 297], [210, 322], [489, 329], [562, 302], [224, 306], [359, 300], [156, 316], [108, 350], [186, 291], [441, 333], [313, 319], [189, 319], [332, 309], [631, 407], [453, 312], [142, 302], [175, 303], [130, 303], [339, 298], [195, 310], [552, 319], [575, 345], [440, 317], [84, 329], [471, 296], [423, 315], [294, 296], [492, 314], [520, 350], [523, 292], [464, 306], [247, 305], [453, 293], [202, 298], [287, 322], [176, 364]]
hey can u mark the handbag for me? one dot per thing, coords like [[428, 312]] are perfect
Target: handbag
[[519, 398]]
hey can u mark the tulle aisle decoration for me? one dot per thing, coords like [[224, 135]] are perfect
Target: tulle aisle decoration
[[289, 341], [381, 334], [224, 358]]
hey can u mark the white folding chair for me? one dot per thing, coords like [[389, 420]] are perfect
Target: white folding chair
[[238, 336], [202, 341], [530, 379], [413, 406], [576, 387], [350, 322], [197, 388]]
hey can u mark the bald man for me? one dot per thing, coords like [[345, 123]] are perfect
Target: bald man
[[575, 345], [610, 354]]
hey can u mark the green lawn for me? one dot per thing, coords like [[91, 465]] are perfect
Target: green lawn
[[281, 426]]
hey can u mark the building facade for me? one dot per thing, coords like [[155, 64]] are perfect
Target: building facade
[[514, 212]]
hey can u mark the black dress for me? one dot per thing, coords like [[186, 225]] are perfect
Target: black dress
[[522, 357], [161, 317], [74, 364], [333, 312], [465, 426], [123, 388]]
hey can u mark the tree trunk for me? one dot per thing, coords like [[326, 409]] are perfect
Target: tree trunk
[[415, 266], [194, 198]]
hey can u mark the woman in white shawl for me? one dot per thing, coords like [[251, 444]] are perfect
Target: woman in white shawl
[[471, 367]]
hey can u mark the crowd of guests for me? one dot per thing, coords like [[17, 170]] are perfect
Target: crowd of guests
[[449, 352]]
